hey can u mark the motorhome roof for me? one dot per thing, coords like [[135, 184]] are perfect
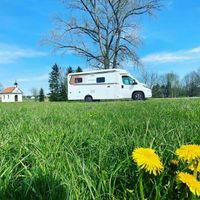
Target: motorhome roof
[[100, 71]]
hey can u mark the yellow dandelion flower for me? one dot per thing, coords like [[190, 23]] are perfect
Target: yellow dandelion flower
[[192, 167], [148, 160], [192, 183], [189, 153]]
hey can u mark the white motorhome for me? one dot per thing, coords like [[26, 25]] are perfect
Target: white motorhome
[[105, 85]]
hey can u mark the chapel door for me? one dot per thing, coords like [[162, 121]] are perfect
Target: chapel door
[[16, 97]]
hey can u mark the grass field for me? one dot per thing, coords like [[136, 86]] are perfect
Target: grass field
[[83, 150]]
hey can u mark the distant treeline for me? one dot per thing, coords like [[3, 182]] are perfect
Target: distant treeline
[[170, 85]]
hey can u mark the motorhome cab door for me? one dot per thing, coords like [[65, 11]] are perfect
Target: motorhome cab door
[[127, 86]]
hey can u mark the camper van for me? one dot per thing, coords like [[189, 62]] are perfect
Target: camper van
[[106, 85]]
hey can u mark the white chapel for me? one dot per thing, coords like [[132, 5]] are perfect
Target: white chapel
[[11, 94]]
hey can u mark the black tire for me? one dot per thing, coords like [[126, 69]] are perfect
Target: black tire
[[88, 98], [138, 96]]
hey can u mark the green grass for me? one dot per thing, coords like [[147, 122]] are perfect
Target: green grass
[[83, 150]]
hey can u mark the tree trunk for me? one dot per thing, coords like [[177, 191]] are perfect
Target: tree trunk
[[116, 49]]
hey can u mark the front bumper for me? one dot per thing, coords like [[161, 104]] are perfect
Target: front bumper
[[148, 93]]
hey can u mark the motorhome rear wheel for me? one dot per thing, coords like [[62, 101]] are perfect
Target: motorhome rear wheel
[[88, 98]]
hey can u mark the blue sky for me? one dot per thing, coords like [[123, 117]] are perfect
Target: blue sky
[[171, 41]]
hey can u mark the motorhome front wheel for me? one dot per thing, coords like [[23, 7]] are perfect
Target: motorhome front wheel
[[138, 96]]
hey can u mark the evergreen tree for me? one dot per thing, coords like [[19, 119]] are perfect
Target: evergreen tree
[[54, 83], [63, 91], [79, 69], [41, 95], [69, 70]]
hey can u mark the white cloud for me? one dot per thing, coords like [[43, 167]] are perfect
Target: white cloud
[[194, 50], [11, 53], [171, 57], [164, 58]]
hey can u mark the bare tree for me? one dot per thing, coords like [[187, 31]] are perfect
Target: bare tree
[[103, 31], [191, 83], [35, 93], [1, 86], [149, 78]]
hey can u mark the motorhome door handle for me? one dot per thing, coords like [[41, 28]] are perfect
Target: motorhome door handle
[[122, 86]]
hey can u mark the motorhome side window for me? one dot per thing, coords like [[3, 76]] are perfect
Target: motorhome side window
[[128, 80], [100, 80], [78, 80]]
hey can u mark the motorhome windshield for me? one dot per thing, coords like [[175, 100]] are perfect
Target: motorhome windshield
[[127, 80]]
